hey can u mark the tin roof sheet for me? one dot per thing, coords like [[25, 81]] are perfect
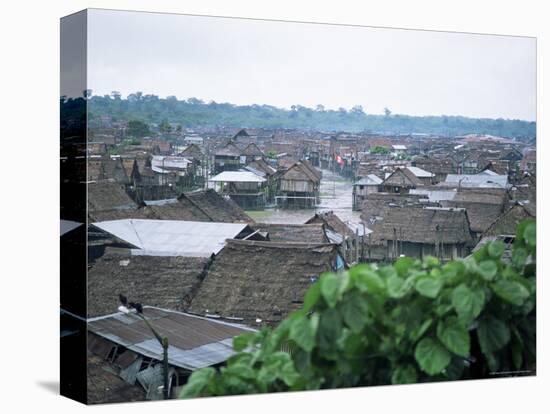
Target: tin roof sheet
[[194, 342], [172, 237]]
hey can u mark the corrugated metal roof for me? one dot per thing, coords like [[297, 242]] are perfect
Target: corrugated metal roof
[[434, 195], [419, 172], [370, 179], [172, 237], [478, 180], [238, 177], [194, 342]]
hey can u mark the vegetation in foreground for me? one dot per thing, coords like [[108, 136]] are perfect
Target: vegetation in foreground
[[413, 321]]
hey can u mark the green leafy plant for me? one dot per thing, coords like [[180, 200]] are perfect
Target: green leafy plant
[[413, 321]]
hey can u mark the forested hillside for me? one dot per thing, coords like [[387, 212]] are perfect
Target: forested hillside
[[194, 112]]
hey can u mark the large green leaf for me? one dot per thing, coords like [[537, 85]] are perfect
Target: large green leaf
[[487, 269], [354, 310], [403, 265], [330, 289], [530, 233], [198, 382], [511, 291], [429, 286], [312, 296], [496, 249], [367, 280], [404, 374], [398, 287], [302, 331], [242, 341], [330, 327], [454, 335], [493, 335], [432, 357], [467, 303]]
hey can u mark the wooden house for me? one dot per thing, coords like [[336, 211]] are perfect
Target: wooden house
[[299, 186], [420, 232], [245, 188], [362, 188], [228, 158]]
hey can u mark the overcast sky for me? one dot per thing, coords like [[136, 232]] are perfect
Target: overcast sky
[[281, 64]]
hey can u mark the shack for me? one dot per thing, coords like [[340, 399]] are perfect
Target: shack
[[299, 186], [362, 188], [245, 188]]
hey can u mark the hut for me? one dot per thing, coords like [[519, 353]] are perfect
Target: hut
[[401, 181], [362, 188], [420, 232], [262, 282], [245, 188], [228, 158], [299, 186]]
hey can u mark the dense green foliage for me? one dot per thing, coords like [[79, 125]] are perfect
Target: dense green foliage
[[193, 112], [413, 321]]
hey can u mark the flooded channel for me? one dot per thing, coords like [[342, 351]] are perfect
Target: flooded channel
[[336, 195]]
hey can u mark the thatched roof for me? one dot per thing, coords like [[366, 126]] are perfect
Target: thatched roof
[[332, 222], [302, 171], [301, 233], [252, 150], [402, 177], [167, 282], [507, 222], [425, 225], [481, 215], [200, 206], [265, 280], [376, 203], [108, 200]]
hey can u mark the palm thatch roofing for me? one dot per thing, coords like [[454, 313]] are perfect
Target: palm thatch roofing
[[167, 282], [376, 204], [483, 206], [192, 151], [107, 200], [252, 150], [205, 205], [425, 225], [508, 221], [332, 222], [230, 150], [261, 280], [301, 233], [402, 177], [302, 171]]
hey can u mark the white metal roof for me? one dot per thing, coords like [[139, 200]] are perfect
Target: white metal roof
[[172, 237], [370, 179], [238, 177], [399, 147], [435, 195], [420, 173], [162, 164], [478, 180]]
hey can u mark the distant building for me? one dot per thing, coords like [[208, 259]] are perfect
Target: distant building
[[362, 188]]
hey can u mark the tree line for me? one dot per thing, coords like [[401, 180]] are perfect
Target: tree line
[[194, 112]]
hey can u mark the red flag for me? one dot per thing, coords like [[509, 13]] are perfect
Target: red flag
[[339, 160]]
